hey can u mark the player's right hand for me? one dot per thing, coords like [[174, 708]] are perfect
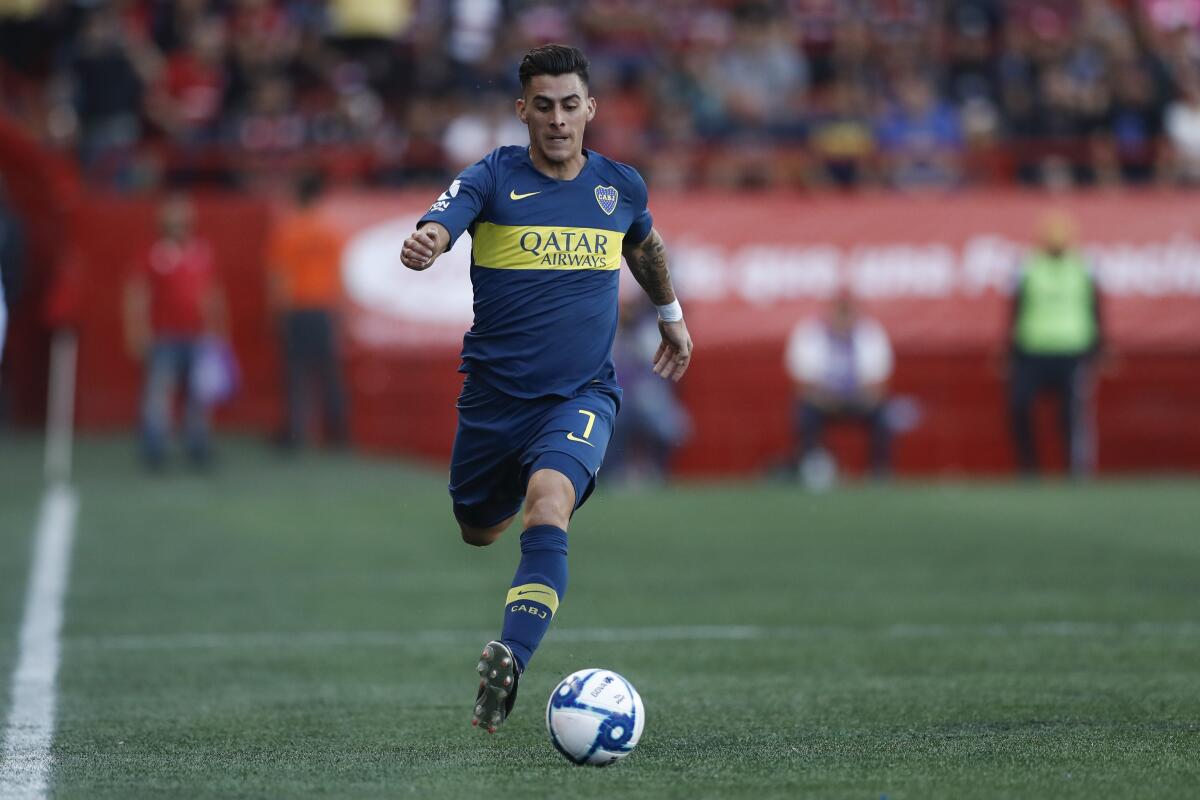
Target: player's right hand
[[674, 355], [420, 248]]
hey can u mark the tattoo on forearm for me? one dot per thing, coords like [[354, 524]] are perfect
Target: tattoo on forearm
[[648, 263]]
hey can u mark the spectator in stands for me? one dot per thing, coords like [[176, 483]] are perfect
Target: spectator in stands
[[188, 99], [712, 91], [172, 302], [920, 138], [304, 263], [762, 78], [841, 138], [109, 72], [840, 365], [1054, 335], [480, 126], [1128, 149], [1183, 133]]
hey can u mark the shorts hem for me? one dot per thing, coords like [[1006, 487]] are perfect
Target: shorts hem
[[572, 468], [467, 515]]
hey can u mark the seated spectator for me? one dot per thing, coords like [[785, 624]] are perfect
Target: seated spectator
[[921, 138], [1128, 152], [483, 125], [1183, 133], [108, 73], [188, 99], [841, 139], [840, 366]]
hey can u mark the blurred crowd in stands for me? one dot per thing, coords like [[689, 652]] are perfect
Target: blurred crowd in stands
[[723, 93]]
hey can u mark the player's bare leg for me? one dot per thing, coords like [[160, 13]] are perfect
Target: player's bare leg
[[482, 537], [549, 499], [534, 597]]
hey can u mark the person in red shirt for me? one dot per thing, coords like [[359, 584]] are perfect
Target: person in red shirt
[[172, 302]]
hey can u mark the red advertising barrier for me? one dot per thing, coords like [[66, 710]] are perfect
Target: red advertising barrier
[[111, 234], [934, 270]]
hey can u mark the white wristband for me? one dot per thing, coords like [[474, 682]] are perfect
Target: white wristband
[[671, 312]]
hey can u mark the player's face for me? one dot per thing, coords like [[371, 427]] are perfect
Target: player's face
[[556, 108]]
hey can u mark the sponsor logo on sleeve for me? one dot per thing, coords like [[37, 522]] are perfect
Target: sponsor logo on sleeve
[[443, 201]]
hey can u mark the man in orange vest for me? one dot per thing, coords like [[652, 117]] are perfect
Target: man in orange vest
[[304, 257]]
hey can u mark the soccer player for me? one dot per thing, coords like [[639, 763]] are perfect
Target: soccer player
[[549, 224]]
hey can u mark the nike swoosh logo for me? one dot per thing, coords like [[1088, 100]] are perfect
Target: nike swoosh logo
[[522, 594], [512, 194], [575, 438]]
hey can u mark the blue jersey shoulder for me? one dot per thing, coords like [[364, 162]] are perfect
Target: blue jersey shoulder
[[504, 160], [628, 178], [628, 182]]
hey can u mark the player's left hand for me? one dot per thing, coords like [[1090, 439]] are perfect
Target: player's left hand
[[674, 355]]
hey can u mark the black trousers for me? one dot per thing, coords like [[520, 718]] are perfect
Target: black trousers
[[311, 363], [811, 420], [1069, 377]]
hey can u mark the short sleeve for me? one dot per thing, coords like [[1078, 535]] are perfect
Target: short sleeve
[[643, 222], [458, 207], [803, 355], [876, 353]]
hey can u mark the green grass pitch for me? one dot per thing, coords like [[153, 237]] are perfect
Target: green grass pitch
[[309, 628]]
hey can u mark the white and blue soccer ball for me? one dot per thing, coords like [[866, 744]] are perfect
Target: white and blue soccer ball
[[595, 717]]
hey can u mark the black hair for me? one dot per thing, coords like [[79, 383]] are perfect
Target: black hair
[[553, 59]]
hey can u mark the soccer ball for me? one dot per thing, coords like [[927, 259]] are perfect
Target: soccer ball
[[595, 717]]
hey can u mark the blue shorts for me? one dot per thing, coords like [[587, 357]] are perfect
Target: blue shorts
[[502, 440]]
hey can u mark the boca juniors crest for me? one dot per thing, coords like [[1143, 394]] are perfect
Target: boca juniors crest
[[606, 196]]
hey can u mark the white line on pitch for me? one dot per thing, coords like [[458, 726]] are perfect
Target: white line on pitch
[[424, 638], [25, 758]]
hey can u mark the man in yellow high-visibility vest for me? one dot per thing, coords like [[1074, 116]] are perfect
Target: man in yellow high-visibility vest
[[1055, 334]]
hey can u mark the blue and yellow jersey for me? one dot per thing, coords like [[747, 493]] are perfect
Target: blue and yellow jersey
[[545, 261]]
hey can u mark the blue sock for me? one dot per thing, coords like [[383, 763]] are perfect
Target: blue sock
[[540, 582]]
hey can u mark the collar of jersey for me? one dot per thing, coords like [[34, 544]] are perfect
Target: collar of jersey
[[587, 166]]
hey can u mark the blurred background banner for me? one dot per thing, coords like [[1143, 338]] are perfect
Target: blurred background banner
[[937, 271]]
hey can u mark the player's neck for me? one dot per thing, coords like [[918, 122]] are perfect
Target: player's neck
[[559, 170]]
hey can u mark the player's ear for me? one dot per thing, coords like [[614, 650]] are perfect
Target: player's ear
[[521, 110], [591, 112]]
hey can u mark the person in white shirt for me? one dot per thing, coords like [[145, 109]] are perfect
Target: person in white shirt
[[840, 365], [1182, 122]]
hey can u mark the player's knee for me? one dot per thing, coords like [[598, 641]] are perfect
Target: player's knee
[[479, 537], [548, 510], [482, 537], [550, 499]]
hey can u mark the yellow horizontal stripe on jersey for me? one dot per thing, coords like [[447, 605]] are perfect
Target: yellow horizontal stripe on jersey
[[535, 592], [545, 247]]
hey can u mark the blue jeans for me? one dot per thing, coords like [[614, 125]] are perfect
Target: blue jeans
[[169, 367]]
